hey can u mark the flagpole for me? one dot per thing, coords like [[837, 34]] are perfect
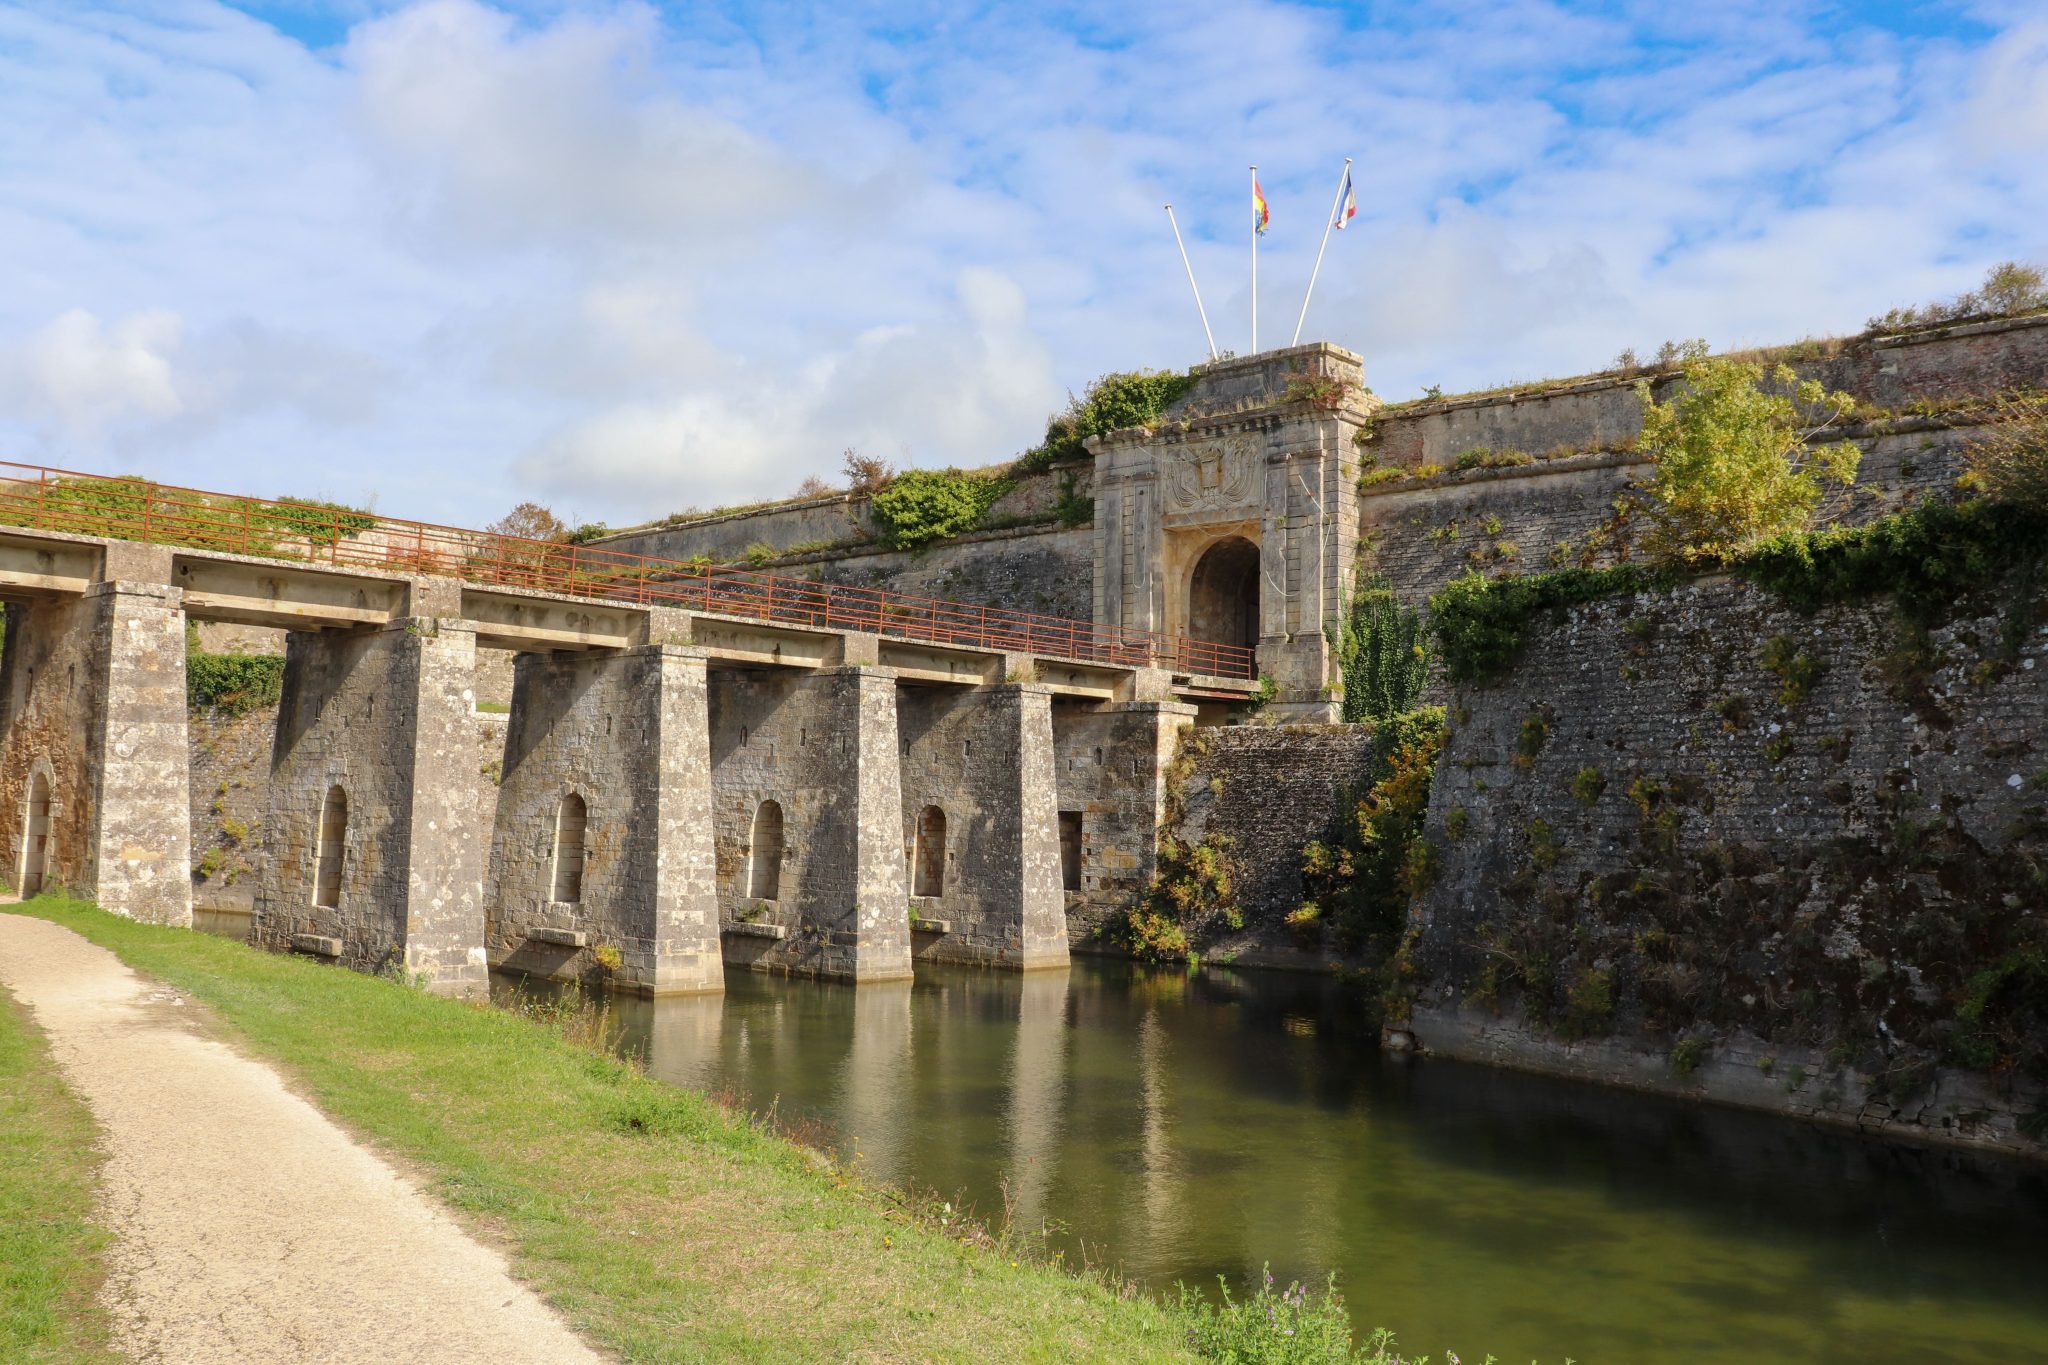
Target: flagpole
[[1328, 223], [1255, 261], [1191, 282]]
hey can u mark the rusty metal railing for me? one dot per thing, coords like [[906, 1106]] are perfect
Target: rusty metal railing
[[48, 499]]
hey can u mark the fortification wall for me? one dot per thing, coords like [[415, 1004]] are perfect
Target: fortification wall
[[1046, 569], [1528, 518], [1109, 771], [1648, 834], [839, 521], [1883, 373]]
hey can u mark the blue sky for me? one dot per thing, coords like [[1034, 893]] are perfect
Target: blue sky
[[626, 259]]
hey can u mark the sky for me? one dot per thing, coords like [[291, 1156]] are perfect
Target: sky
[[625, 259]]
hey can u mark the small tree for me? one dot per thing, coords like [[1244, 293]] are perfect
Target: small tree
[[866, 475], [1735, 461], [529, 521]]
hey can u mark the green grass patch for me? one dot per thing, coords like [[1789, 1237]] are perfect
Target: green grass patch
[[663, 1226], [49, 1246]]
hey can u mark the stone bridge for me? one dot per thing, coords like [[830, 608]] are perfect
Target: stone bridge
[[680, 788]]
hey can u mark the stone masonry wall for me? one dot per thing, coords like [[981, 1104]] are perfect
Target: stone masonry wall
[[230, 803], [1269, 789], [1648, 835], [609, 729], [1109, 767]]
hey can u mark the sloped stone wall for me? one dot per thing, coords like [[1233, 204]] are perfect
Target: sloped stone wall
[[1664, 864]]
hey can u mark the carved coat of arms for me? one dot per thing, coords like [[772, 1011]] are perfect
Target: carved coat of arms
[[1212, 476]]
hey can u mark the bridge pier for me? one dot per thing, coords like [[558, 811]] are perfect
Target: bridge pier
[[95, 768], [981, 825], [809, 811], [603, 835], [375, 838]]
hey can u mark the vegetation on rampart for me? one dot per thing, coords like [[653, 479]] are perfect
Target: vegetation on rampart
[[132, 508], [50, 1247], [1363, 878], [1120, 399], [665, 1225], [920, 506], [1381, 652], [1735, 460]]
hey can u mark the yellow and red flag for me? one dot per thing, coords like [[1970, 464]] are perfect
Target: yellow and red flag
[[1260, 215]]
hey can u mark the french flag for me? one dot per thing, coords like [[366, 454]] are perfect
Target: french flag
[[1349, 201]]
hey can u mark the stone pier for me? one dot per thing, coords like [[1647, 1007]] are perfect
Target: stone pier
[[96, 754], [980, 825], [603, 837]]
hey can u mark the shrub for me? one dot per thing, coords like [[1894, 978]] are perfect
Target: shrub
[[1587, 785], [1926, 555], [1377, 859], [1530, 739], [1734, 463], [1795, 669], [2009, 289], [866, 475], [2009, 456], [1136, 398], [1073, 508], [1284, 1327], [1686, 1056], [233, 683], [923, 505], [1380, 653]]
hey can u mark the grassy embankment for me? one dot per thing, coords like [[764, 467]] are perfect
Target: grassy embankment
[[662, 1226], [49, 1246]]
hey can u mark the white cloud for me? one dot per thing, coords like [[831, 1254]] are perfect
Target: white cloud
[[83, 376], [631, 259]]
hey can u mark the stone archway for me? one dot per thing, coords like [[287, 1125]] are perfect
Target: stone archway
[[1223, 594]]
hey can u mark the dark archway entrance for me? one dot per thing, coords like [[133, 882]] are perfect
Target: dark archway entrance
[[1223, 594]]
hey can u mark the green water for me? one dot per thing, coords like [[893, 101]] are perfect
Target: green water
[[1182, 1127]]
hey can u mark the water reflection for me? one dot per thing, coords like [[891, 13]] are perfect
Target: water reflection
[[1180, 1127]]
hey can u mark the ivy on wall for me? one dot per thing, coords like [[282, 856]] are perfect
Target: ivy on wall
[[1381, 654]]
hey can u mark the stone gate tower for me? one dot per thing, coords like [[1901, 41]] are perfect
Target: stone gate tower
[[1236, 519]]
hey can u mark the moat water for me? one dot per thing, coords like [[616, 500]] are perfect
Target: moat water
[[1180, 1127]]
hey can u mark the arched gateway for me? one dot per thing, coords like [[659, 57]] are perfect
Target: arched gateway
[[1223, 594]]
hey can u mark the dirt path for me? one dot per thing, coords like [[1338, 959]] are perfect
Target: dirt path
[[247, 1226]]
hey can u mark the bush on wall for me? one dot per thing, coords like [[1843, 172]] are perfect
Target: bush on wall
[[923, 505], [1135, 398]]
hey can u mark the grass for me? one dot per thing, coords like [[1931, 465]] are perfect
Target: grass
[[662, 1226], [49, 1246]]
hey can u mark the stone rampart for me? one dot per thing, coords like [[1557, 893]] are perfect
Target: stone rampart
[[1554, 514], [1702, 843], [1600, 413]]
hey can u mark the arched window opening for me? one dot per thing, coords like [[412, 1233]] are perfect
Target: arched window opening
[[928, 862], [764, 853], [1223, 594], [35, 850], [1070, 850], [333, 838], [571, 817]]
